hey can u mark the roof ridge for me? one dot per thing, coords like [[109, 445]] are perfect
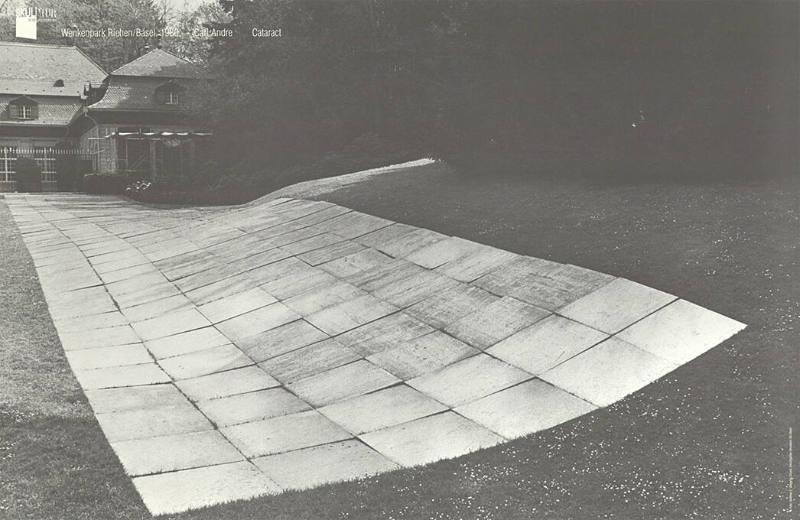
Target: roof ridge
[[51, 45], [85, 55], [114, 72], [171, 54]]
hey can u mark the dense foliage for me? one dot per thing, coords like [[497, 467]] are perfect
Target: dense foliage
[[596, 87], [110, 51]]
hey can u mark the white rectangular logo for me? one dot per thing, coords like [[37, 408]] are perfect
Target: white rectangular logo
[[26, 27]]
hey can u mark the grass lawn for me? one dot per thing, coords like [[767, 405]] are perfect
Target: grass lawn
[[55, 462], [708, 441]]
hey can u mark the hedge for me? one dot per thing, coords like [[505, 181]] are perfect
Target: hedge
[[28, 175], [105, 184], [70, 172]]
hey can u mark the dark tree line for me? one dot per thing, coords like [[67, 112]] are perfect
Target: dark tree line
[[687, 87], [641, 87]]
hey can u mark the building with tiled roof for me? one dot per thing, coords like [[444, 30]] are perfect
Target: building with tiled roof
[[142, 105], [134, 119], [146, 83], [158, 63], [41, 95], [37, 67]]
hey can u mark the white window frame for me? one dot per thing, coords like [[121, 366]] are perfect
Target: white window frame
[[8, 160], [46, 159], [25, 111], [173, 98]]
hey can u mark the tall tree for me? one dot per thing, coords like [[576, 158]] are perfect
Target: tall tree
[[191, 36], [642, 83], [121, 30]]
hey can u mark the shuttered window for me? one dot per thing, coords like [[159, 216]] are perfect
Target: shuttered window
[[24, 109]]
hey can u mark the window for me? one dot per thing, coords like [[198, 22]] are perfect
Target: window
[[8, 160], [46, 159], [25, 111], [169, 93], [23, 108], [172, 97], [133, 151]]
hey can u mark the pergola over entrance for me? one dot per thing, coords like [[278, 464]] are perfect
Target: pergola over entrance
[[154, 153]]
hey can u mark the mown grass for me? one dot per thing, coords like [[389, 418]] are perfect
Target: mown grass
[[708, 441], [54, 460]]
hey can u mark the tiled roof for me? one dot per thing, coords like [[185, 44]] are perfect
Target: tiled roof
[[158, 63], [36, 86], [132, 93], [53, 110], [32, 68]]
